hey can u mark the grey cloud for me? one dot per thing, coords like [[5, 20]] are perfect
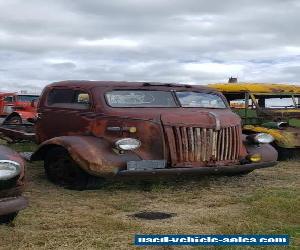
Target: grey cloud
[[152, 40], [63, 65]]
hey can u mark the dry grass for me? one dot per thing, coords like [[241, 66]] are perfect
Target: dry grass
[[265, 201]]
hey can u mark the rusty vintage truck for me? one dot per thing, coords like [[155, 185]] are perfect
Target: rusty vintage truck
[[12, 179], [268, 108], [117, 129]]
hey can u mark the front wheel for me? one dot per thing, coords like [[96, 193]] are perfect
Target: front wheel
[[61, 169], [8, 218], [285, 154], [13, 120]]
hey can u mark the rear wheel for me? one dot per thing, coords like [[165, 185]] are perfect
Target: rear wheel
[[8, 218], [61, 169]]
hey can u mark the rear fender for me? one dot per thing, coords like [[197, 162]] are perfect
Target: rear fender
[[94, 155]]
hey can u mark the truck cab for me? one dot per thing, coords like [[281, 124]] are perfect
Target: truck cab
[[268, 108], [6, 104], [117, 129]]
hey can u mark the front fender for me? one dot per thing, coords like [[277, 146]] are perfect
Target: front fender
[[268, 153], [94, 155], [11, 155]]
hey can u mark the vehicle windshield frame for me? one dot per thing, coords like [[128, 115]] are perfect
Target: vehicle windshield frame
[[172, 92]]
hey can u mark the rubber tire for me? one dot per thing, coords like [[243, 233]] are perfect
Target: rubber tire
[[285, 154], [14, 120], [8, 218], [61, 169]]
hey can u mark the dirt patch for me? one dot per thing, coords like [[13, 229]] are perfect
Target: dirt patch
[[150, 215]]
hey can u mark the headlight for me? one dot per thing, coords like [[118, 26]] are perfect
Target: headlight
[[9, 169], [263, 138], [128, 144]]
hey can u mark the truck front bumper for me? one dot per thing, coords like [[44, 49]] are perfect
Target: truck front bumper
[[217, 170], [12, 204]]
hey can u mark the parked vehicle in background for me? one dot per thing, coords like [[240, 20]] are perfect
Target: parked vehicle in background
[[6, 104], [268, 108], [117, 129], [12, 179], [18, 108]]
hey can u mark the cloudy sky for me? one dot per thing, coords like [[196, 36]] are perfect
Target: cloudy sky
[[190, 41]]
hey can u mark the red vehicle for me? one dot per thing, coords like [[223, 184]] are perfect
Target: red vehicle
[[17, 108], [117, 129], [6, 104]]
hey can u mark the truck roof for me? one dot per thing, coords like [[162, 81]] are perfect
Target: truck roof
[[256, 87], [91, 84]]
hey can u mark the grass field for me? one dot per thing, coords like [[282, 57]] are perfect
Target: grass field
[[265, 201]]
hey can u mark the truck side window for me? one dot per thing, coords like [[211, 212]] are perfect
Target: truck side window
[[9, 99], [82, 97], [68, 98]]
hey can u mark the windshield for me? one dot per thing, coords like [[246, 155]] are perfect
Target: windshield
[[200, 100], [147, 98], [277, 102], [27, 98], [140, 98]]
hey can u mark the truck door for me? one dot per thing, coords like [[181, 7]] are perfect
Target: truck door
[[61, 113]]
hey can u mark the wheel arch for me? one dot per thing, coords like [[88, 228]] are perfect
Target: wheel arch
[[13, 114], [94, 155]]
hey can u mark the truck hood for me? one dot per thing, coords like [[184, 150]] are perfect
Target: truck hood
[[212, 118], [206, 118]]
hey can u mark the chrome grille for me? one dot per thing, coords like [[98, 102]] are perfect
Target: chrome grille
[[193, 144]]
